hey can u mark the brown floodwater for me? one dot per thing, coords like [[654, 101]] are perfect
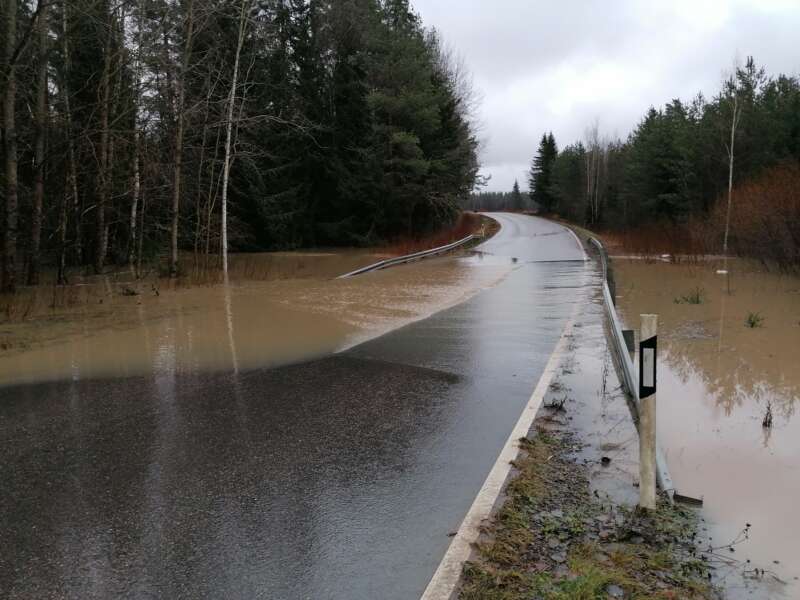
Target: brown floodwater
[[278, 308], [717, 378]]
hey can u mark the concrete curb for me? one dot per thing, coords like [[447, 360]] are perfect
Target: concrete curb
[[399, 260], [444, 583], [628, 373]]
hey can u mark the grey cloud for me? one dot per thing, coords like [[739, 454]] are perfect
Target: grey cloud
[[545, 66]]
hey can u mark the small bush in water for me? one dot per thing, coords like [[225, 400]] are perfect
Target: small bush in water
[[693, 297], [754, 320]]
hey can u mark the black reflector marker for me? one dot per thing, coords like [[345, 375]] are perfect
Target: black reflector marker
[[647, 367]]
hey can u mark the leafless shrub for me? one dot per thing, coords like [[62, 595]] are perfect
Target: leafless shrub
[[467, 223], [765, 225], [765, 218]]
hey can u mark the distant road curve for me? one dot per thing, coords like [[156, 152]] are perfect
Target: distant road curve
[[532, 239]]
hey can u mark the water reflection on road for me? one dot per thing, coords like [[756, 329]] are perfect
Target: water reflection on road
[[716, 379]]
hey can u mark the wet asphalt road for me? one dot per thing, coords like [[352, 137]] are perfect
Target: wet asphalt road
[[337, 478]]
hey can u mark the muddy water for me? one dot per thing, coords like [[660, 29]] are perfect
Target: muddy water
[[272, 266], [717, 378], [277, 311]]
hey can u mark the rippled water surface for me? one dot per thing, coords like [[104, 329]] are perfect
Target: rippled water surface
[[717, 379]]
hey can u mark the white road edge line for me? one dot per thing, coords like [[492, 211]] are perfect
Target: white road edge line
[[577, 239], [444, 582]]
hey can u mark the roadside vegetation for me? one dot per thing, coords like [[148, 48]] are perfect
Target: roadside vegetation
[[554, 540], [668, 187], [135, 132], [754, 320], [467, 223], [764, 225], [696, 296]]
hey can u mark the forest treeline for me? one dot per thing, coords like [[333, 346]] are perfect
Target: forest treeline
[[514, 200], [137, 129], [676, 167]]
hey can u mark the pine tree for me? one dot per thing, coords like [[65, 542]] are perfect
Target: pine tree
[[541, 175]]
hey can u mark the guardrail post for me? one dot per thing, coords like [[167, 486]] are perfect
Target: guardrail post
[[647, 411], [663, 478]]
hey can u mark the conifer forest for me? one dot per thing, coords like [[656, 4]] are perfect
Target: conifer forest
[[138, 130]]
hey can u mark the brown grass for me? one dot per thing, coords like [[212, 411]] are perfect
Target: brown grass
[[34, 302], [765, 217], [765, 225], [207, 270], [660, 238], [467, 223]]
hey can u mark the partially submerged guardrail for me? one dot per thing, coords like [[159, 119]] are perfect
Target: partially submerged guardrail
[[398, 260], [629, 379]]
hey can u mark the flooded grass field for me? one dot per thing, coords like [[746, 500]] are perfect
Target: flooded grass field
[[728, 357], [278, 308]]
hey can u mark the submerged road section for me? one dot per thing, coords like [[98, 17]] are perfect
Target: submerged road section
[[337, 478]]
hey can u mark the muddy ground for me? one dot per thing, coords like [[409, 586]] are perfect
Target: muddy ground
[[554, 539]]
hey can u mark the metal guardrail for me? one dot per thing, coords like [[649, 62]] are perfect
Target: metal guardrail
[[398, 260], [629, 379]]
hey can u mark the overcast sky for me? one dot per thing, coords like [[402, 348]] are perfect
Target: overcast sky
[[545, 65]]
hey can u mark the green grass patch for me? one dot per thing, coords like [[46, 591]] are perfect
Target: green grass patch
[[696, 296], [754, 320], [553, 540]]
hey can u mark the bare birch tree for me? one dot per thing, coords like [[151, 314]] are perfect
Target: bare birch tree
[[736, 113], [243, 16], [595, 149]]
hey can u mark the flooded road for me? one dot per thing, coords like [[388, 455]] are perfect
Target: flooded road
[[297, 312], [340, 477], [717, 378]]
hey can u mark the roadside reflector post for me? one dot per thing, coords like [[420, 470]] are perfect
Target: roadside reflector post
[[647, 411]]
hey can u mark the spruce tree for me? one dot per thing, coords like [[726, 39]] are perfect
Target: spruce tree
[[541, 174], [516, 196]]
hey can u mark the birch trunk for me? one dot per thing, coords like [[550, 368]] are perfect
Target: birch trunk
[[734, 124], [137, 149], [228, 130], [137, 188], [140, 243]]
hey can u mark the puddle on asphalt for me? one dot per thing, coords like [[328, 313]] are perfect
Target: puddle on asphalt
[[278, 311], [716, 379]]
